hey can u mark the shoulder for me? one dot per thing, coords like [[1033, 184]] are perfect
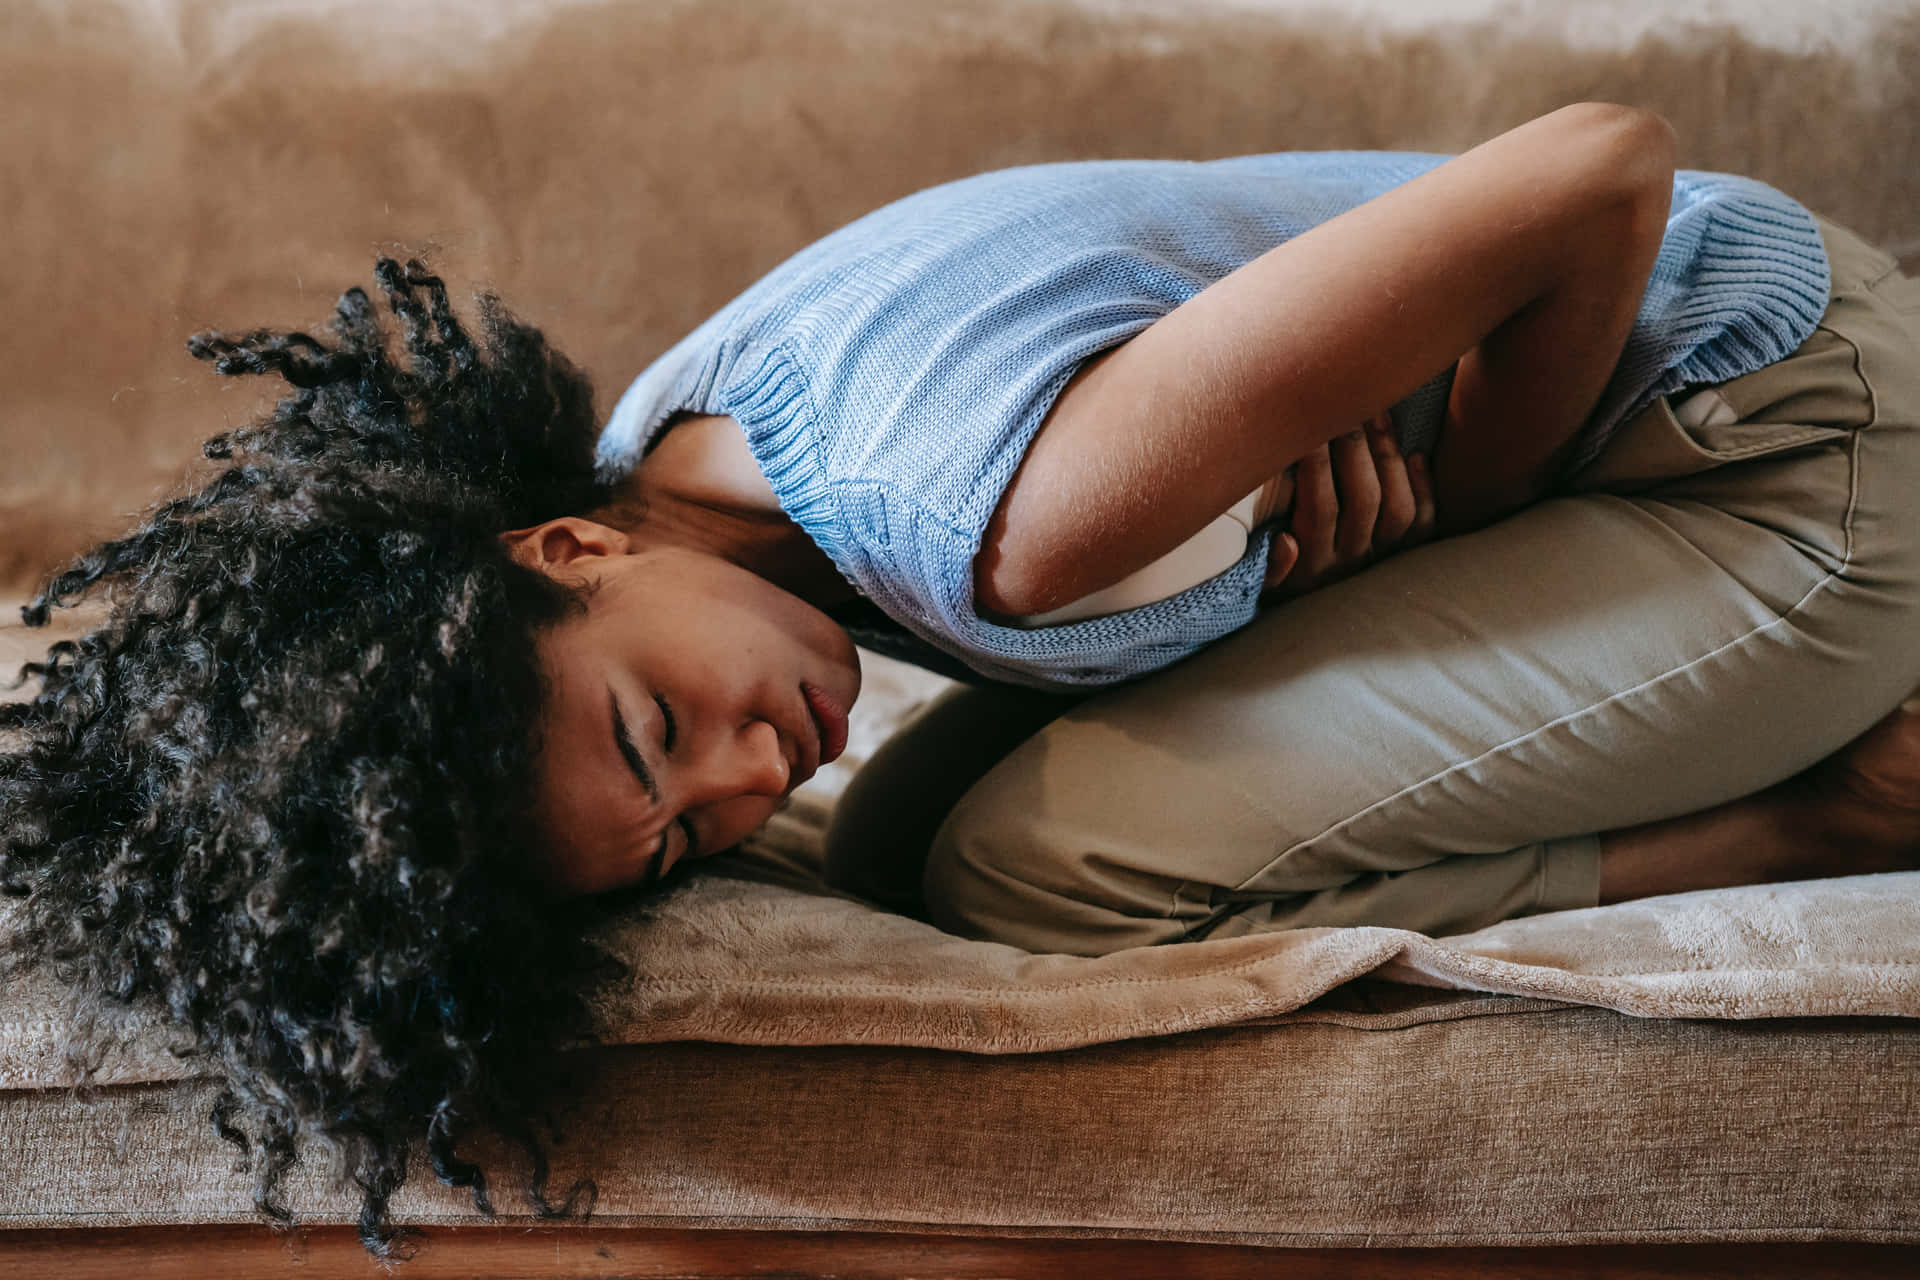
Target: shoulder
[[704, 458]]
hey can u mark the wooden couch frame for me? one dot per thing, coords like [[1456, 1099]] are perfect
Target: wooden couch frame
[[594, 1253]]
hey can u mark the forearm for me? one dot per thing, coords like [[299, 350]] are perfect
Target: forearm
[[1163, 433], [1521, 396]]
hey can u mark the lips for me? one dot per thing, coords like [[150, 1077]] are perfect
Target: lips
[[829, 723]]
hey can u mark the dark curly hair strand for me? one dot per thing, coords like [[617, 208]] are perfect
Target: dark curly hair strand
[[282, 792]]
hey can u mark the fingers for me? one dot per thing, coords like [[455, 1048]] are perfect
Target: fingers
[[1299, 558], [1420, 478], [1356, 500], [1357, 481], [1316, 516], [1398, 506], [1281, 557]]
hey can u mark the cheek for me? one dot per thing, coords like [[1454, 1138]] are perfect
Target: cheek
[[561, 863], [734, 820], [575, 800]]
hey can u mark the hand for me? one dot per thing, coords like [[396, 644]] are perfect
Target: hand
[[1356, 499]]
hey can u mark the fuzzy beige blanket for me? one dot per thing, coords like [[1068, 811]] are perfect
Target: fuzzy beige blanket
[[747, 961], [757, 963], [758, 951]]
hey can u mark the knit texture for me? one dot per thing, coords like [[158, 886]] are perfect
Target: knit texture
[[891, 375]]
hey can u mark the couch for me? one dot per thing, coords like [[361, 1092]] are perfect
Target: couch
[[1352, 1102]]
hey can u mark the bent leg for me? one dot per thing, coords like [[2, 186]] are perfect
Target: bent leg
[[1434, 743], [884, 822]]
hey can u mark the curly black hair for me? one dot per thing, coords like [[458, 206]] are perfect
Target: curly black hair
[[282, 794]]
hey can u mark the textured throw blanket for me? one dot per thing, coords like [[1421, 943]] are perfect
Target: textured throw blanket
[[752, 962], [756, 963]]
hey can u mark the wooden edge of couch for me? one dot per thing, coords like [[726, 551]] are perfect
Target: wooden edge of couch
[[580, 1253]]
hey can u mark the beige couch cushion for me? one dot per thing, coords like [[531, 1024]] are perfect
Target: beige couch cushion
[[1372, 1123]]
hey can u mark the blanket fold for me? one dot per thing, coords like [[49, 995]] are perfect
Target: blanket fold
[[753, 963], [750, 961]]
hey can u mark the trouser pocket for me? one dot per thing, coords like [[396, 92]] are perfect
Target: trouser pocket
[[1814, 396]]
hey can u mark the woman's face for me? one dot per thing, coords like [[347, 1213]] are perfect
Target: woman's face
[[679, 715]]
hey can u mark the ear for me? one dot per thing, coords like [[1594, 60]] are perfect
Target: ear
[[563, 543]]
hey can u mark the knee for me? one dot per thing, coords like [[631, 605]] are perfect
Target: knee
[[970, 887], [886, 818], [1003, 869]]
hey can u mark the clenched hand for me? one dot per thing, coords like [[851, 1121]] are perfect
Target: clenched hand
[[1356, 499]]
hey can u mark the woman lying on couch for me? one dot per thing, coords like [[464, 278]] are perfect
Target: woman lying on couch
[[379, 702]]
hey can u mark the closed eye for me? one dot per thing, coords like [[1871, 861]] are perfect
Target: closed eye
[[637, 765], [623, 740], [671, 732]]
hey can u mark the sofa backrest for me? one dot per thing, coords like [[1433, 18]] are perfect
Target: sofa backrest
[[617, 172]]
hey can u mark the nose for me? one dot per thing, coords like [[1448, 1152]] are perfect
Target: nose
[[749, 763]]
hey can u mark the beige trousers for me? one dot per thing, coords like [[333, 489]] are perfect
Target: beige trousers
[[1436, 743]]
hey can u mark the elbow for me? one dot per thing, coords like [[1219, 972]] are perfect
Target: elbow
[[1646, 151], [1001, 592], [1633, 153], [1639, 124]]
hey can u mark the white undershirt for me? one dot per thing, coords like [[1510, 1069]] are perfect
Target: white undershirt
[[1211, 551]]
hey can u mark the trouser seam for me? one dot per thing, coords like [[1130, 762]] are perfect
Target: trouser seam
[[1784, 619]]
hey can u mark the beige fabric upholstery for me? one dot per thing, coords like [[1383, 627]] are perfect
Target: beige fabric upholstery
[[1372, 1123], [619, 171]]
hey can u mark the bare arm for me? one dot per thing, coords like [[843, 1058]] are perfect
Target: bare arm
[[1157, 437], [1522, 394]]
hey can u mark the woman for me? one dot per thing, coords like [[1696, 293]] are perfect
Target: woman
[[974, 368], [377, 703]]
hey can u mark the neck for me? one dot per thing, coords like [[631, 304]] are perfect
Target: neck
[[767, 543]]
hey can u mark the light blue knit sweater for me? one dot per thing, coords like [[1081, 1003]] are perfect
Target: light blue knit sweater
[[890, 376]]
